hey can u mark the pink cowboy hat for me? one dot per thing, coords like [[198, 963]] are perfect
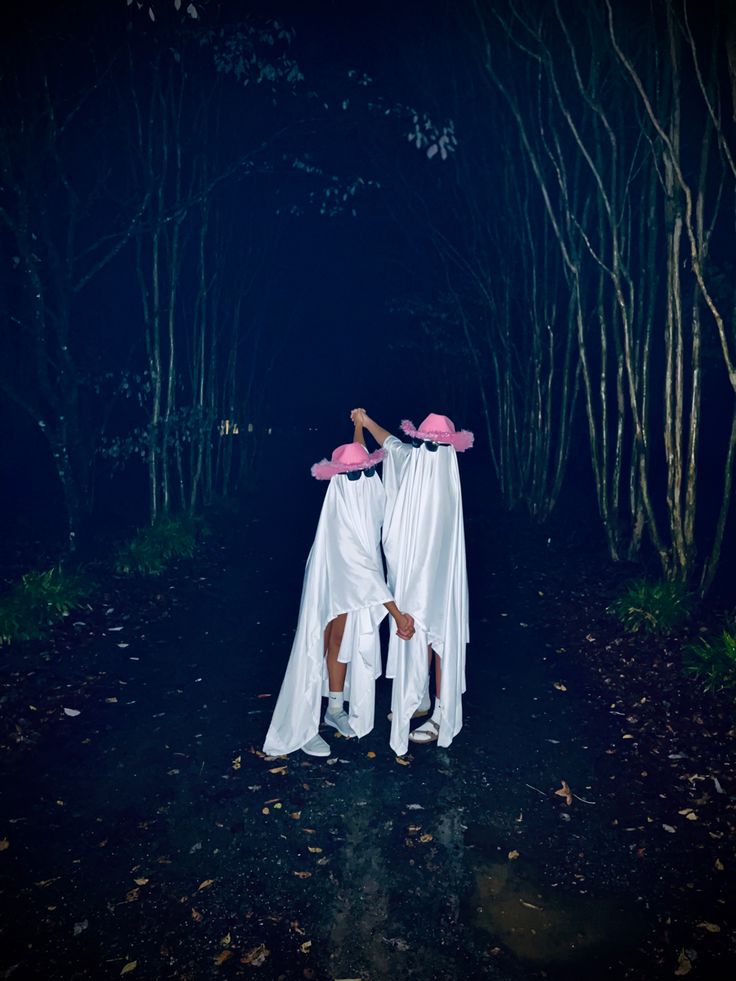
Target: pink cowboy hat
[[440, 429], [349, 456]]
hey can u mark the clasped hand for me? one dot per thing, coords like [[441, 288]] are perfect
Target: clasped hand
[[405, 626]]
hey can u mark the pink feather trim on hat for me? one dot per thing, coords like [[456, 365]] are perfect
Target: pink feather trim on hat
[[440, 429], [349, 456]]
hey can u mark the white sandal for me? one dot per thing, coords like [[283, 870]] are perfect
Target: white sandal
[[428, 732], [419, 714]]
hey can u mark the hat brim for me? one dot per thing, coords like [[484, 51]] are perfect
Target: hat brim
[[326, 469], [462, 440]]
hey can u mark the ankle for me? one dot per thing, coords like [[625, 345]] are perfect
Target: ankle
[[335, 701]]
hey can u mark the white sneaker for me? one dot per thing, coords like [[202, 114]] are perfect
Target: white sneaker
[[316, 747], [340, 722]]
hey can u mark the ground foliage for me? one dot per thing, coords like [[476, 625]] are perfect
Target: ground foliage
[[154, 547], [31, 607], [712, 662], [653, 607]]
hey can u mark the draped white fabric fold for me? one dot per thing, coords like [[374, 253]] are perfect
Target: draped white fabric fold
[[344, 574], [424, 542]]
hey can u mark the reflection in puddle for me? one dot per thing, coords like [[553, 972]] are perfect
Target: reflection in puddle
[[536, 924]]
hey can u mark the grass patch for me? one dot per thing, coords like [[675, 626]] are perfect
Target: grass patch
[[154, 548], [33, 605], [655, 608], [712, 662]]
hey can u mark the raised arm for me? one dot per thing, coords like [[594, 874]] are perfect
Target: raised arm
[[377, 432], [358, 436]]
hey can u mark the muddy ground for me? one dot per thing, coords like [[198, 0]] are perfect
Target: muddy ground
[[580, 826]]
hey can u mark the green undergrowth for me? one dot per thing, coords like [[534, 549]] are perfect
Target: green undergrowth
[[39, 600], [656, 608], [154, 548], [712, 662]]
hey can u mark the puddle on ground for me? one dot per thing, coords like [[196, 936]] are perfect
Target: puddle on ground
[[542, 926]]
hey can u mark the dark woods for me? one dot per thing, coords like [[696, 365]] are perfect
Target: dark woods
[[591, 272], [134, 333], [566, 271]]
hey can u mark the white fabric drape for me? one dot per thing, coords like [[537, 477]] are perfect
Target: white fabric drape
[[424, 542], [344, 574]]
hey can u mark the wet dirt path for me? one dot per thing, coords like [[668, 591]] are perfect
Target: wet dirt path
[[146, 835]]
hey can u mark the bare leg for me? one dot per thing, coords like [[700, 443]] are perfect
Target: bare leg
[[437, 675], [336, 670], [335, 715], [428, 732]]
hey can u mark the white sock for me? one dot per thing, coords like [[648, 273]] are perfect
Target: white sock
[[335, 702], [437, 714]]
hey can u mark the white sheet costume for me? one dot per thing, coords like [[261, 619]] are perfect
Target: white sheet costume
[[344, 574], [424, 542]]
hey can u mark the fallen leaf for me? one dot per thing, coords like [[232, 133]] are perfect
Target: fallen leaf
[[236, 763], [564, 792], [315, 850], [141, 882], [226, 940], [295, 815], [130, 966], [256, 955], [719, 865], [4, 844], [72, 712], [303, 875], [132, 896], [669, 829], [425, 838], [111, 701], [196, 915], [265, 810], [371, 755], [279, 769], [559, 686], [205, 884], [530, 905], [513, 855], [223, 956], [710, 927], [304, 948], [402, 762], [684, 965]]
